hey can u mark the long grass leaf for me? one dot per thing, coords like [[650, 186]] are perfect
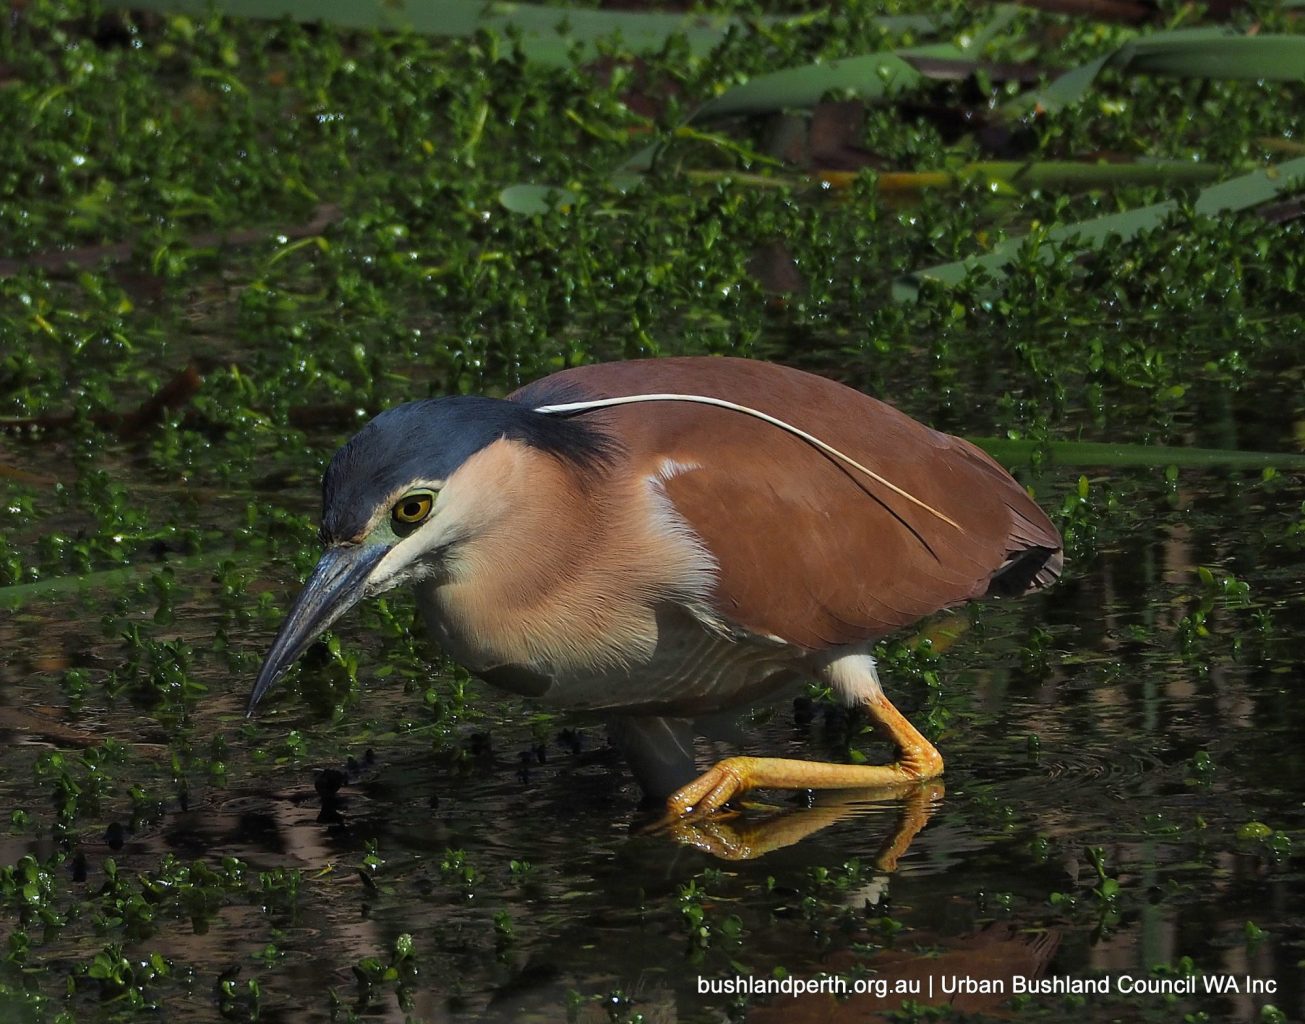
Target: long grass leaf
[[1012, 176], [1105, 453], [869, 77], [1229, 196], [548, 34], [1183, 53], [1071, 173], [102, 581]]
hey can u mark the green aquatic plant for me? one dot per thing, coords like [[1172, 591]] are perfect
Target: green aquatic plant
[[311, 216]]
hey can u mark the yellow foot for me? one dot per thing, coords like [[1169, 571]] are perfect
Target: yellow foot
[[713, 789], [734, 776], [917, 760]]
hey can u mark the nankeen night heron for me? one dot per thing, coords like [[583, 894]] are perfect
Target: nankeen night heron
[[660, 540]]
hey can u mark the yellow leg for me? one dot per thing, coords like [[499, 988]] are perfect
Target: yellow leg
[[917, 759]]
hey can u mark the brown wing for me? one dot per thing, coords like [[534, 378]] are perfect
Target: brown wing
[[810, 549]]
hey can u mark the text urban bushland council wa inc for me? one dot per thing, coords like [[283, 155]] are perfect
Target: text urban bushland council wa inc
[[964, 984]]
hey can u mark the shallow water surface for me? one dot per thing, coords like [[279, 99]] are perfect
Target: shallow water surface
[[1123, 788]]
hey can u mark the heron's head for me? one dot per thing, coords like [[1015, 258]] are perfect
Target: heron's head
[[398, 500]]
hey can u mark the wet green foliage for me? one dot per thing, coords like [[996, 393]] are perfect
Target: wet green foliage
[[311, 218]]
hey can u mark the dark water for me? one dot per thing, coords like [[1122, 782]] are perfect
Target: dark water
[[1093, 716]]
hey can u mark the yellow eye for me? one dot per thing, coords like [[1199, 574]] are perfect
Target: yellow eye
[[412, 509]]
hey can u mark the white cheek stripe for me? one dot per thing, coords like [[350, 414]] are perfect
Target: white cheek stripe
[[828, 449], [394, 568]]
